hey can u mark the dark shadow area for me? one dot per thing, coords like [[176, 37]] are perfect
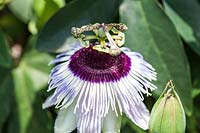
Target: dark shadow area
[[194, 59], [42, 120], [11, 123], [127, 126], [126, 129]]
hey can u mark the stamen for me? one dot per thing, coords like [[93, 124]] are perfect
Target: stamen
[[102, 34], [114, 49]]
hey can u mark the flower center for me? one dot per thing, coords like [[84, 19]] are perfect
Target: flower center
[[94, 66]]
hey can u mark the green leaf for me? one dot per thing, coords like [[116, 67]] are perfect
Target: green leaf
[[189, 10], [60, 3], [39, 5], [6, 94], [5, 58], [30, 77], [22, 9], [3, 3], [183, 28], [45, 9], [55, 33], [49, 10], [152, 34]]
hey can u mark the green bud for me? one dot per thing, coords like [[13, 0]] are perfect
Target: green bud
[[168, 115]]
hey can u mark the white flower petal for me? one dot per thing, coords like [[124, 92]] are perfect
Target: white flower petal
[[111, 122], [58, 60], [99, 105], [89, 122], [131, 102], [66, 120], [139, 114], [48, 103]]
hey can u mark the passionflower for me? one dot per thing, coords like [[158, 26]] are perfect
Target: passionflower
[[96, 83]]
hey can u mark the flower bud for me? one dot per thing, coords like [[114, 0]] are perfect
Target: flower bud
[[168, 115]]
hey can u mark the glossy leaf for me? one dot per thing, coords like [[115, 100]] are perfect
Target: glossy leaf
[[5, 58], [152, 34], [183, 28], [189, 11], [54, 35], [30, 77]]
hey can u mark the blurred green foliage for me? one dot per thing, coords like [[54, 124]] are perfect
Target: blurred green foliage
[[166, 32]]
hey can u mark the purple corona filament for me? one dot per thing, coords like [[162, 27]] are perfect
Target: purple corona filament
[[93, 66]]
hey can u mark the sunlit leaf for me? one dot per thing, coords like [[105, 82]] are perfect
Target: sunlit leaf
[[44, 10], [49, 10], [22, 9], [38, 7], [152, 34], [3, 3], [60, 3], [55, 33]]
